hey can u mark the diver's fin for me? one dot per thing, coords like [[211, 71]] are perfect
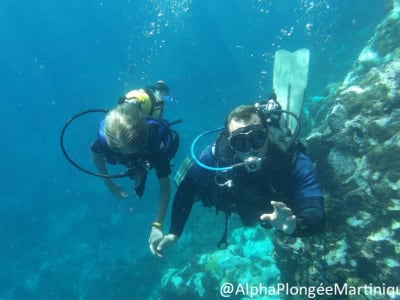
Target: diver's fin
[[290, 80]]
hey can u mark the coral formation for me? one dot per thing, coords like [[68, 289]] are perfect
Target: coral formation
[[357, 146], [249, 260]]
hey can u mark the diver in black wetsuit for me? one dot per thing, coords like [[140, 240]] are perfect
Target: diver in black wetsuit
[[262, 178], [133, 134]]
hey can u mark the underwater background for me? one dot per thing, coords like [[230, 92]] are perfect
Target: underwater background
[[63, 236]]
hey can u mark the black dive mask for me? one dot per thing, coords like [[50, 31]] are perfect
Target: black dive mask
[[248, 138]]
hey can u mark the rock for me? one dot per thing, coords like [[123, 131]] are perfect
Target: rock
[[356, 147], [248, 260]]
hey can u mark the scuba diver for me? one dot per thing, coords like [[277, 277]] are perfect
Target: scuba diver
[[265, 181], [256, 168], [133, 134]]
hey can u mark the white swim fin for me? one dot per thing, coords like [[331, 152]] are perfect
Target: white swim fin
[[290, 81]]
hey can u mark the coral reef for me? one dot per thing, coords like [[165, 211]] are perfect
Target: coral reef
[[356, 147], [248, 260]]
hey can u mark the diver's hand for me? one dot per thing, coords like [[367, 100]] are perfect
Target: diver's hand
[[117, 190], [156, 236], [282, 217], [166, 242]]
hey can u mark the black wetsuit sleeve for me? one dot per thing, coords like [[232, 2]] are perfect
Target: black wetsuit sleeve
[[308, 198], [310, 217], [194, 186], [163, 166], [182, 206]]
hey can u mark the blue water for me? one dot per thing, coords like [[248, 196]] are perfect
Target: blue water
[[60, 229]]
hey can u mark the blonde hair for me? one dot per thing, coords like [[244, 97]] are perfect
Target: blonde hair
[[125, 128]]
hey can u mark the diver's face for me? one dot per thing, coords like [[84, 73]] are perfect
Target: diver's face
[[248, 138]]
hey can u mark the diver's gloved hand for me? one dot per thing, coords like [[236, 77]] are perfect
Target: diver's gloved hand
[[155, 238], [282, 217], [117, 190], [166, 242]]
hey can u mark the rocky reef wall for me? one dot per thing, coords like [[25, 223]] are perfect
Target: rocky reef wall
[[356, 146]]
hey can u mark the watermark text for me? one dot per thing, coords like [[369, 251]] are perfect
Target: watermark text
[[229, 289]]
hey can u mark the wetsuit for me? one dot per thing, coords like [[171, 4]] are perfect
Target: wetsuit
[[161, 147], [293, 182]]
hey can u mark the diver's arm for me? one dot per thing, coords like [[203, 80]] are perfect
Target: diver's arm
[[196, 183], [100, 164], [310, 217], [182, 206], [156, 234], [307, 215], [308, 198], [165, 193]]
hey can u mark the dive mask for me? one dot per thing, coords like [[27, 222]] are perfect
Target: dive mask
[[248, 138]]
